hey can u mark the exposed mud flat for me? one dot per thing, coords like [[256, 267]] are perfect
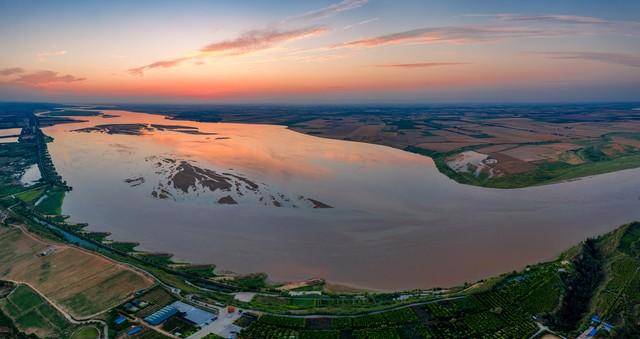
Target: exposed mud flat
[[140, 129], [123, 129], [182, 180]]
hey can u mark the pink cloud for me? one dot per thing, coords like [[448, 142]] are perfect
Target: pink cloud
[[157, 64], [452, 34], [11, 71], [42, 78], [261, 39], [248, 42], [606, 57]]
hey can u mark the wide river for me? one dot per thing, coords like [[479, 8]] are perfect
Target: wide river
[[396, 222]]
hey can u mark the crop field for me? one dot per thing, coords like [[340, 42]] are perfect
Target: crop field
[[156, 299], [618, 300], [92, 283], [32, 314], [503, 311]]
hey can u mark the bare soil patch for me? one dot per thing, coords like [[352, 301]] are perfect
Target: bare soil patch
[[92, 283]]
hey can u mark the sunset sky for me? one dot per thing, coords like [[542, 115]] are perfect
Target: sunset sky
[[333, 51]]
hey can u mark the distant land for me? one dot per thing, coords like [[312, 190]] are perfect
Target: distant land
[[500, 146]]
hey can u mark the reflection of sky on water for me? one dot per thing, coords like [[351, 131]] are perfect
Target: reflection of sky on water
[[398, 222]]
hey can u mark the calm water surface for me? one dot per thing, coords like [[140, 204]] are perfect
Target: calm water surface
[[397, 223]]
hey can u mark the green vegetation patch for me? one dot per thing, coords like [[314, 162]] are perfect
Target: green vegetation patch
[[74, 113], [30, 196], [630, 241], [87, 332], [52, 204], [30, 313], [25, 298]]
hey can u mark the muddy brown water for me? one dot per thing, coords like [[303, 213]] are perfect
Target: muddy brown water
[[397, 223]]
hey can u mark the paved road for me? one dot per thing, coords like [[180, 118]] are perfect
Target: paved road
[[222, 326]]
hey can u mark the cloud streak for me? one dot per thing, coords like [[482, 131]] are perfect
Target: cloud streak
[[504, 26], [623, 59], [363, 22], [345, 5], [587, 24], [37, 78], [549, 19], [450, 34], [11, 71], [45, 55], [421, 65], [158, 64], [261, 39], [248, 42]]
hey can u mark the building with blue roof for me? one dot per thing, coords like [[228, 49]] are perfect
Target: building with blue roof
[[135, 330], [161, 315], [120, 319], [193, 314]]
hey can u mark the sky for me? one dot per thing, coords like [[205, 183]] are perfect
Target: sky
[[320, 52]]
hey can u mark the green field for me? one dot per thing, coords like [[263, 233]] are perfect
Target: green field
[[33, 315], [542, 174]]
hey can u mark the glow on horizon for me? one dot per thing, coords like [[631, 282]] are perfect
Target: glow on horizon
[[320, 51]]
